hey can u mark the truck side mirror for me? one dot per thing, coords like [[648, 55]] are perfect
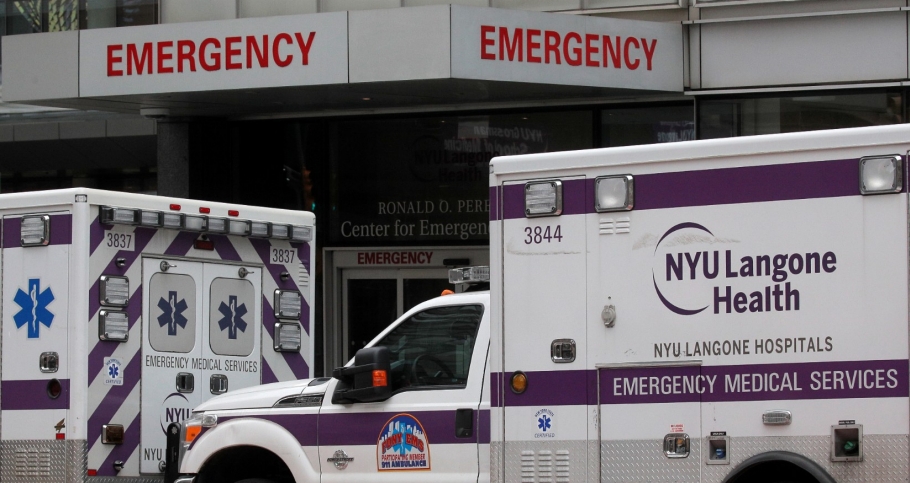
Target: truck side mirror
[[365, 381]]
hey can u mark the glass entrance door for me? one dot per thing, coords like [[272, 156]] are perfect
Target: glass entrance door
[[373, 298]]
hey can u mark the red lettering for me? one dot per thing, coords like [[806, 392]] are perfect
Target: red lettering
[[162, 56], [532, 45], [386, 257], [230, 53], [590, 49], [629, 63], [305, 46], [134, 60], [111, 60], [214, 57], [551, 44], [275, 50], [185, 51], [576, 60], [429, 257], [360, 258], [485, 42], [262, 54], [615, 54], [649, 50], [510, 46]]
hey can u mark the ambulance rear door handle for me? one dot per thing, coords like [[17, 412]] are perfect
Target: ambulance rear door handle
[[185, 382], [464, 423]]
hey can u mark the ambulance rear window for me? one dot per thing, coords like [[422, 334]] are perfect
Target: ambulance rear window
[[433, 348]]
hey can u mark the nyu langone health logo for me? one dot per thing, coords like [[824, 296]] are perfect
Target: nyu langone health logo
[[33, 308], [688, 280], [233, 317], [172, 313]]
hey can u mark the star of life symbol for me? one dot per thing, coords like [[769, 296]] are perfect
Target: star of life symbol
[[33, 311], [543, 423], [172, 312], [113, 371], [233, 317]]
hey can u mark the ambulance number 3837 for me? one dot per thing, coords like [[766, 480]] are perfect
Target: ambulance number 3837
[[542, 234], [282, 255]]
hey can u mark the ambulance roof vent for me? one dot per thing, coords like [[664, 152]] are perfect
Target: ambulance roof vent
[[469, 275]]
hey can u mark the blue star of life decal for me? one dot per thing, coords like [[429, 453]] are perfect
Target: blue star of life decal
[[33, 311], [543, 423], [172, 313], [113, 370], [233, 317]]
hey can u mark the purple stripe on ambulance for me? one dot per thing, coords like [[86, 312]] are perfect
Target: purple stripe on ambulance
[[294, 360], [267, 376], [10, 233], [96, 234], [105, 348], [483, 426], [363, 428], [496, 388], [123, 451], [574, 389], [224, 248], [749, 184], [262, 248], [32, 394], [181, 244], [61, 231], [112, 401], [143, 237], [574, 199], [747, 382]]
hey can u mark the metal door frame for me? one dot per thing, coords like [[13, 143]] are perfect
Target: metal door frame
[[337, 260]]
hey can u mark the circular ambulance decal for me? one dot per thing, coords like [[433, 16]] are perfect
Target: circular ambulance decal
[[174, 409], [403, 445]]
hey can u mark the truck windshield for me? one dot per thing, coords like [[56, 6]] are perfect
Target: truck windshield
[[433, 348]]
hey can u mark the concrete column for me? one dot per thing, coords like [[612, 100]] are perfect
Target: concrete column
[[174, 158]]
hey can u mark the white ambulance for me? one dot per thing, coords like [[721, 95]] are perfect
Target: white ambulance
[[711, 311], [121, 313]]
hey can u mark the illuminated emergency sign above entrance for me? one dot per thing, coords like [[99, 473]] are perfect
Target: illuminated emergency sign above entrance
[[237, 54]]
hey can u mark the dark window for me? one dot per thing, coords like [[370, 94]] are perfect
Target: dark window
[[137, 12], [434, 347], [626, 126], [425, 180], [807, 111]]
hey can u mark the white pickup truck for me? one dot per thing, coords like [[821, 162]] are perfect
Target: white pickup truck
[[417, 399]]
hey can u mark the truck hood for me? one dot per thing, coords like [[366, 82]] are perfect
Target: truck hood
[[263, 396]]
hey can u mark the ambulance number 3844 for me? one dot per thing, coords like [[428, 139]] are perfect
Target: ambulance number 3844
[[542, 234]]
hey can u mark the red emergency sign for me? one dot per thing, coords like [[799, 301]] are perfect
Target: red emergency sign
[[211, 54], [573, 48]]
